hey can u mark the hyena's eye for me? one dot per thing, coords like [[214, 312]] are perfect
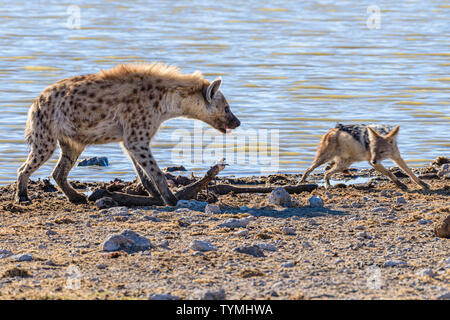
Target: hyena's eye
[[227, 109]]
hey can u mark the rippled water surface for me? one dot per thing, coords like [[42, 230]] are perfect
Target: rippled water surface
[[294, 66]]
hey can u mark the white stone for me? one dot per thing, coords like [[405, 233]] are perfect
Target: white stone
[[202, 245], [279, 197], [315, 201]]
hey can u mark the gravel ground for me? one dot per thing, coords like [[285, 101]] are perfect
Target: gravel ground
[[367, 241]]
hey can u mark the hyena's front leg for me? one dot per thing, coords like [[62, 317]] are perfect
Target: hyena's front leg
[[402, 164], [67, 159], [142, 154], [146, 182], [379, 167]]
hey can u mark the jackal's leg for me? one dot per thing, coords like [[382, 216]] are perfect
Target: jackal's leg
[[69, 154], [142, 154], [402, 164], [379, 167], [318, 161], [39, 154], [146, 182], [339, 165]]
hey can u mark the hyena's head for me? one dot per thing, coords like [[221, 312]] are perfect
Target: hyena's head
[[382, 146], [215, 110]]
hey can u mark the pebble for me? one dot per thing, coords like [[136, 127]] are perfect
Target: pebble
[[279, 197], [94, 161], [5, 254], [114, 211], [241, 233], [401, 200], [442, 229], [364, 235], [425, 272], [214, 295], [444, 172], [202, 245], [315, 201], [234, 223], [424, 221], [267, 246], [380, 209], [288, 231], [128, 240], [106, 202], [51, 232], [163, 244], [395, 263], [212, 209], [163, 296], [288, 265], [445, 296], [192, 204], [252, 250], [101, 266], [22, 257]]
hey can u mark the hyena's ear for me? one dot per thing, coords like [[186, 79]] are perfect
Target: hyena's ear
[[212, 89], [373, 135], [393, 134]]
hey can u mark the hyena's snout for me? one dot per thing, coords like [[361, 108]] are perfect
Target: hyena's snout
[[233, 122]]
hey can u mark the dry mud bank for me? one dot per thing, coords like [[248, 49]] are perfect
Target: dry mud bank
[[367, 241]]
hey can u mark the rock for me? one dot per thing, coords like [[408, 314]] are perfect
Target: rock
[[315, 201], [22, 257], [128, 240], [288, 265], [424, 221], [106, 202], [445, 296], [267, 246], [163, 296], [425, 272], [175, 168], [401, 200], [252, 250], [163, 244], [5, 254], [279, 197], [288, 231], [192, 204], [395, 263], [241, 233], [101, 266], [94, 161], [442, 229], [202, 245], [114, 211], [51, 233], [234, 223], [214, 295], [444, 172], [212, 209]]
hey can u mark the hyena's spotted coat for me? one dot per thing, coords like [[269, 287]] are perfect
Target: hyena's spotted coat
[[346, 144], [125, 104]]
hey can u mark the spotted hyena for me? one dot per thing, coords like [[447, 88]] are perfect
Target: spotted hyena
[[346, 144], [125, 104]]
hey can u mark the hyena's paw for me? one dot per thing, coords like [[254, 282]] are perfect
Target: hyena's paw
[[22, 199], [170, 200], [78, 199], [402, 186], [425, 186]]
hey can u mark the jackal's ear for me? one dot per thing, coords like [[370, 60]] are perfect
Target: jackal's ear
[[393, 134], [373, 135], [212, 89]]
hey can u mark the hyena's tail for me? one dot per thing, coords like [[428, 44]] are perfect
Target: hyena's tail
[[30, 128]]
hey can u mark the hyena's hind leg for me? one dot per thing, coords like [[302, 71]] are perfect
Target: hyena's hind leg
[[39, 154], [68, 157], [146, 182]]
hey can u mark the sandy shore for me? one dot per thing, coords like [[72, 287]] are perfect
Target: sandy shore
[[369, 240]]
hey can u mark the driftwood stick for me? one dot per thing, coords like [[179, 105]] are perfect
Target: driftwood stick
[[221, 189], [185, 193]]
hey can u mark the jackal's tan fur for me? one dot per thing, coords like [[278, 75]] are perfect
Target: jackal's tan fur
[[342, 149]]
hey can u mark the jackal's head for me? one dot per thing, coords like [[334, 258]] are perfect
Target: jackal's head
[[382, 147], [215, 110]]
